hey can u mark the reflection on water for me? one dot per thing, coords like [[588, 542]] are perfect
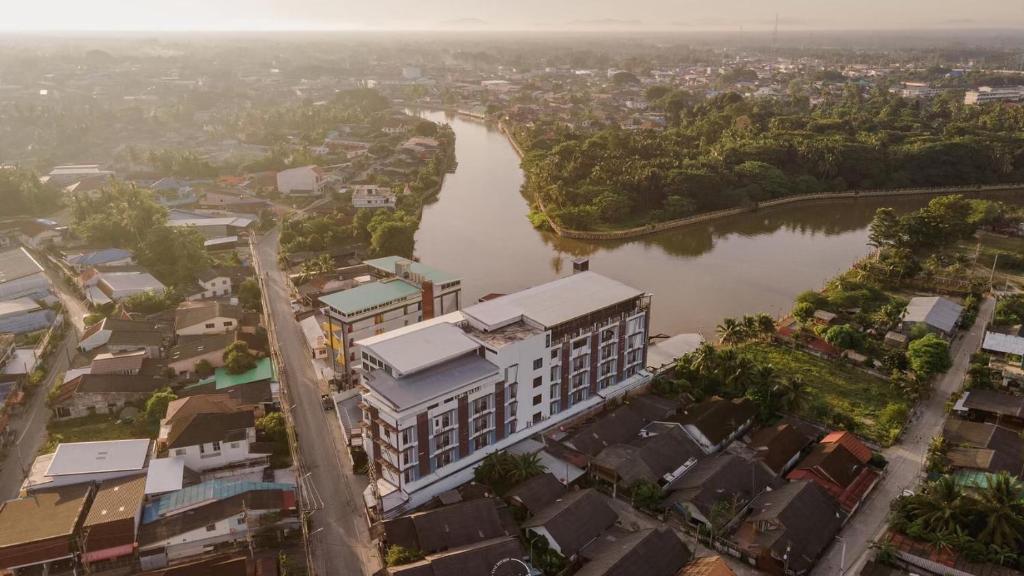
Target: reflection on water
[[750, 263]]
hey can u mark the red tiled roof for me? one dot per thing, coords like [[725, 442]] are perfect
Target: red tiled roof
[[853, 494], [851, 443]]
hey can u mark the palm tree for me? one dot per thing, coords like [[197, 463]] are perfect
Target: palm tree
[[942, 509], [765, 325], [704, 359], [793, 393], [1001, 503], [750, 327], [728, 331], [526, 466]]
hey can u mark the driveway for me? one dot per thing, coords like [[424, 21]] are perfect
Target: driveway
[[906, 459], [339, 535]]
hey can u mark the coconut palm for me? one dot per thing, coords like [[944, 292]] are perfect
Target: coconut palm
[[704, 359], [765, 325], [1001, 503], [526, 466], [942, 508], [794, 393], [729, 331], [750, 327]]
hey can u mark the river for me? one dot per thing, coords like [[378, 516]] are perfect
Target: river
[[755, 262]]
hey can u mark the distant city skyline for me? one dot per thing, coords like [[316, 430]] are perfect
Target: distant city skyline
[[682, 15]]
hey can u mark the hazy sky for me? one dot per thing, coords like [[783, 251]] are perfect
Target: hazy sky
[[30, 15]]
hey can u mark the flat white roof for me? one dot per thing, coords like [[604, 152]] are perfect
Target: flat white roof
[[423, 348], [165, 475], [666, 352], [96, 457], [131, 281], [17, 263], [449, 318], [555, 302]]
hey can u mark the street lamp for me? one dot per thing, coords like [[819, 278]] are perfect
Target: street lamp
[[842, 556]]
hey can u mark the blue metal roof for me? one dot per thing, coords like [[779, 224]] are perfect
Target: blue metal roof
[[203, 493]]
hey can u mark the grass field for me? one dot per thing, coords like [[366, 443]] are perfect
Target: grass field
[[837, 392], [92, 428]]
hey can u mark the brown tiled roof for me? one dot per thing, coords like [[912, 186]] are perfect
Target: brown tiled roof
[[206, 418], [616, 427], [995, 402], [717, 418], [537, 492], [651, 552], [722, 476], [776, 445], [575, 519], [41, 526], [446, 527], [193, 346], [833, 462], [111, 519]]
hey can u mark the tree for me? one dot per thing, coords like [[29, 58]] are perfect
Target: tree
[[174, 255], [249, 294], [238, 359], [397, 555], [929, 355], [1001, 502], [843, 336], [646, 495], [204, 368], [803, 311], [942, 508], [272, 427], [391, 233], [884, 230], [729, 331], [156, 404]]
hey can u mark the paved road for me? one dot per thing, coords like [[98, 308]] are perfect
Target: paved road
[[30, 425], [906, 459], [339, 535]]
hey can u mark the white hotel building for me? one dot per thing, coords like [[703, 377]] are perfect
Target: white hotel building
[[439, 395]]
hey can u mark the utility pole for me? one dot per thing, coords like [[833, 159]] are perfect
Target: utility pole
[[992, 277]]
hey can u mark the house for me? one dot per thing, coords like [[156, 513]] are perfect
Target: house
[[649, 552], [206, 526], [304, 181], [211, 283], [780, 446], [111, 527], [104, 257], [447, 527], [190, 350], [534, 494], [714, 423], [87, 393], [983, 447], [207, 317], [117, 286], [476, 558], [87, 463], [1008, 357], [255, 387], [373, 196], [659, 458], [210, 432], [128, 363], [397, 293], [39, 233], [720, 478], [121, 335], [839, 465], [620, 425], [823, 317], [572, 522], [991, 405], [21, 276], [38, 534], [211, 226], [789, 528], [939, 315], [24, 315]]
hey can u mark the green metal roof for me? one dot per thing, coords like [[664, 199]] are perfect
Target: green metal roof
[[366, 296], [972, 478], [388, 264], [264, 370]]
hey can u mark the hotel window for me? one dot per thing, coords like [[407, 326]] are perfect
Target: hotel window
[[512, 389], [555, 390], [407, 435], [538, 363], [607, 335], [481, 441], [556, 407], [510, 428], [537, 399], [480, 405], [580, 362], [180, 452], [554, 353], [556, 373], [582, 342], [538, 381]]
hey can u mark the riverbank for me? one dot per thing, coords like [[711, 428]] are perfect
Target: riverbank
[[653, 228]]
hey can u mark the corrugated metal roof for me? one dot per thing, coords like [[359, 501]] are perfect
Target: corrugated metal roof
[[203, 493], [365, 297], [1003, 343]]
